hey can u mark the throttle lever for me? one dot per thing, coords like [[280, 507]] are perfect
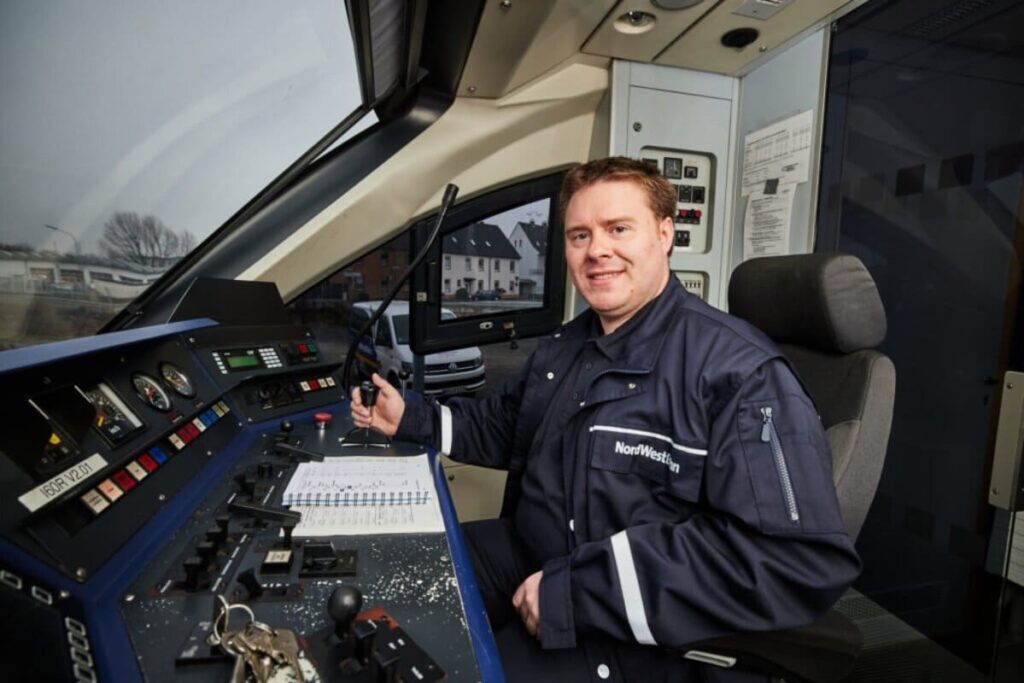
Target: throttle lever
[[368, 393]]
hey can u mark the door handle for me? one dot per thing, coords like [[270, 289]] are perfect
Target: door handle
[[1006, 487]]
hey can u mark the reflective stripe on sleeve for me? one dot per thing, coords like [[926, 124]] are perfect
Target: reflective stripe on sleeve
[[631, 596], [446, 430]]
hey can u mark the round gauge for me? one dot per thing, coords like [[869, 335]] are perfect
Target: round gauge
[[150, 391], [177, 379]]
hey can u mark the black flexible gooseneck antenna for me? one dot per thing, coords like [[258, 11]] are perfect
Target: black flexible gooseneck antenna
[[450, 192]]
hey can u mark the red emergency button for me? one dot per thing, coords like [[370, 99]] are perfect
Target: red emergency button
[[697, 213], [322, 420]]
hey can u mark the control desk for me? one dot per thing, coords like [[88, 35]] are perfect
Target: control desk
[[143, 535]]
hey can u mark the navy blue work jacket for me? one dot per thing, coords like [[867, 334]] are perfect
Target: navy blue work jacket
[[702, 500]]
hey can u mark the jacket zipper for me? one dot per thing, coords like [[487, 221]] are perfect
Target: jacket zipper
[[770, 436]]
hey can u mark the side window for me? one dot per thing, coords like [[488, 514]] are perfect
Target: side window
[[327, 307]]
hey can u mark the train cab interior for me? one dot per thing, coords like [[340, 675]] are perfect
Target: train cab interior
[[202, 204]]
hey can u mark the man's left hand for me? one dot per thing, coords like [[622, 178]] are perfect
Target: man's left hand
[[527, 602]]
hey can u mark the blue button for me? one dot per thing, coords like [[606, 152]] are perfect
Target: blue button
[[158, 454]]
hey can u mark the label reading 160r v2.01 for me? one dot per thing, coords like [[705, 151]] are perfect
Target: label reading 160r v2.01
[[63, 482]]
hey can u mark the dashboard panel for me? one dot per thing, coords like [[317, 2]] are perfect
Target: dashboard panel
[[141, 484]]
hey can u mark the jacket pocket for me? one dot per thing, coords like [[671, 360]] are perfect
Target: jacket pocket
[[789, 465], [655, 457], [770, 436]]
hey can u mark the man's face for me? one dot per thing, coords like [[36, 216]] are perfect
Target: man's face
[[616, 249]]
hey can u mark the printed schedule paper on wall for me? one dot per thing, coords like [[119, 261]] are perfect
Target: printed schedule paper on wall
[[364, 495]]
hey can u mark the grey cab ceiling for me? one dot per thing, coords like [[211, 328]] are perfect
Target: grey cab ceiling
[[518, 40]]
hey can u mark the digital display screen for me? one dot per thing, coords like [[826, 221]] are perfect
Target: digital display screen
[[495, 265], [239, 362]]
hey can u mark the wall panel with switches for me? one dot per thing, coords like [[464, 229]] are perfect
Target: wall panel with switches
[[684, 122]]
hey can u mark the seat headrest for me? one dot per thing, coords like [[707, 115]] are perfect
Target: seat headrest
[[827, 302]]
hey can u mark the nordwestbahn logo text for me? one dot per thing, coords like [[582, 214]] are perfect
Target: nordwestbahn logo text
[[648, 452]]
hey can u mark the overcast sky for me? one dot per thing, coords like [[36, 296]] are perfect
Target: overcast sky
[[180, 109], [536, 211]]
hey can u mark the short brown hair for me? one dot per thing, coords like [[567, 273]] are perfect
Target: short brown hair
[[661, 194]]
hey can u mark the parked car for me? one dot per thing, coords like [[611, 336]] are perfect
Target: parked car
[[385, 349], [487, 295]]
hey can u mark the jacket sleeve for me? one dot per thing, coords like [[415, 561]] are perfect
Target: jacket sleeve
[[766, 549], [468, 430]]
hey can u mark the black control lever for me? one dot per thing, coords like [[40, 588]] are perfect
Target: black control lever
[[297, 453], [368, 393], [286, 428], [271, 514], [343, 606]]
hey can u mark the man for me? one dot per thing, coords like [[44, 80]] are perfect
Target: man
[[671, 477]]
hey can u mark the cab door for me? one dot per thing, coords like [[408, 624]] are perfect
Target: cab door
[[922, 179]]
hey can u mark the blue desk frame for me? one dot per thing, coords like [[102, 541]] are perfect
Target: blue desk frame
[[99, 595]]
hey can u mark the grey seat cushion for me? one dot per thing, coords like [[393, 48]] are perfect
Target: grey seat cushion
[[854, 394]]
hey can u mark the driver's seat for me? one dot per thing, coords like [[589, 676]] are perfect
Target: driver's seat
[[824, 312]]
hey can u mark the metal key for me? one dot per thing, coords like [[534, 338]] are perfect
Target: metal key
[[251, 647], [240, 671], [285, 650], [279, 645]]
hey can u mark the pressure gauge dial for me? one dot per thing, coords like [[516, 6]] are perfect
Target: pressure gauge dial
[[177, 379], [150, 391]]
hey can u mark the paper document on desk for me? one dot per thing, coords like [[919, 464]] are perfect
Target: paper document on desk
[[350, 520], [364, 495]]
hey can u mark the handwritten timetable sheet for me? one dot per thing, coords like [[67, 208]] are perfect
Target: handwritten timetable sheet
[[355, 495]]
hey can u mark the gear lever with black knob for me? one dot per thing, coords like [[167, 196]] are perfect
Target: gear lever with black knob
[[343, 606], [368, 395], [285, 430]]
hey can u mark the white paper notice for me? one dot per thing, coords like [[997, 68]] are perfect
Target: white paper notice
[[766, 223], [779, 152]]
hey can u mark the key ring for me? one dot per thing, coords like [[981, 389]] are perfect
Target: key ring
[[225, 616]]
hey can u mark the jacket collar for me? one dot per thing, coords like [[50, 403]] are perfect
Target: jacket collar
[[646, 340]]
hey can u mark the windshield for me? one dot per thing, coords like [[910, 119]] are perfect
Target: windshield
[[132, 129]]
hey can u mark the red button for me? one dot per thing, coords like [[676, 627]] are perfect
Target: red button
[[697, 212], [323, 420], [313, 384], [303, 348], [184, 434], [193, 431], [124, 480], [148, 462]]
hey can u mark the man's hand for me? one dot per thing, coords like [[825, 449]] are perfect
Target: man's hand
[[386, 414], [527, 602]]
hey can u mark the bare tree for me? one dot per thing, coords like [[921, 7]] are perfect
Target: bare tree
[[186, 241], [143, 239]]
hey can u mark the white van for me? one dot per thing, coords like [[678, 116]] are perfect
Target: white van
[[385, 349]]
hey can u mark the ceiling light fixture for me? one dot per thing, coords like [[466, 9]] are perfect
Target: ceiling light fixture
[[635, 22], [675, 4]]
